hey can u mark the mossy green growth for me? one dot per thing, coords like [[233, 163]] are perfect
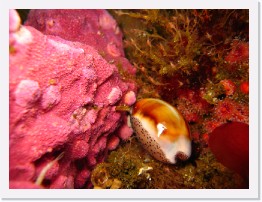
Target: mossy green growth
[[209, 174], [135, 168], [174, 49], [159, 42], [213, 93]]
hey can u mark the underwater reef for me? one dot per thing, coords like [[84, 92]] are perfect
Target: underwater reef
[[198, 61], [72, 80]]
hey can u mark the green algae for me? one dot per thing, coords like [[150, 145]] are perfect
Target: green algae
[[189, 46], [134, 168]]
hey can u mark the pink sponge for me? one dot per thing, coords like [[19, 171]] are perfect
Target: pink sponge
[[63, 94], [96, 28]]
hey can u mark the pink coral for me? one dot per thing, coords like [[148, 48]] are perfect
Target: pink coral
[[14, 21], [27, 93], [51, 96], [114, 95], [81, 178], [96, 28], [25, 184], [52, 172], [63, 95], [22, 172], [125, 132], [79, 149], [113, 50], [63, 182], [113, 142], [130, 98]]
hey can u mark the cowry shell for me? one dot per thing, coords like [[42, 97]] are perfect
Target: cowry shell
[[161, 129]]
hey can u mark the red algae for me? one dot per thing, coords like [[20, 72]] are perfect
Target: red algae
[[229, 86], [244, 87], [239, 52], [230, 145]]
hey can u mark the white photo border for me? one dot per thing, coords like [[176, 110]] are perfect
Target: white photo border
[[252, 193]]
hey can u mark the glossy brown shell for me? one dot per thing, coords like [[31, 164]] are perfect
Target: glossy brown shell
[[157, 125]]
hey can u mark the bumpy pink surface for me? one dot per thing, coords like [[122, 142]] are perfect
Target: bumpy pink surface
[[93, 27], [63, 94]]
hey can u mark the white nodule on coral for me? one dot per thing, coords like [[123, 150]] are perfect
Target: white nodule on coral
[[130, 98], [113, 49], [91, 116], [114, 96], [89, 74], [106, 21], [65, 47], [14, 20], [23, 36], [51, 97], [27, 92]]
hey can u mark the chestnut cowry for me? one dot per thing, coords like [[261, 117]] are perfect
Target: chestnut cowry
[[161, 129]]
